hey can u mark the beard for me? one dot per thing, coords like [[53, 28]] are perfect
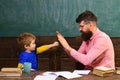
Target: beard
[[86, 35]]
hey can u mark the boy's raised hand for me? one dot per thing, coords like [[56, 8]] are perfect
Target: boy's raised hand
[[56, 43]]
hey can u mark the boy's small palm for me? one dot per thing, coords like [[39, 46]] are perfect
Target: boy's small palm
[[55, 43]]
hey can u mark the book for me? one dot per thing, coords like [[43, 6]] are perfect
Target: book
[[84, 72], [53, 75], [10, 72], [117, 70], [103, 71]]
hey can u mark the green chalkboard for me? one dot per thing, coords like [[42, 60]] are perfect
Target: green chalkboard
[[45, 17]]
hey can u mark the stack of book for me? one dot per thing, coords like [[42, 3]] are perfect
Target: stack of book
[[103, 71], [117, 70], [10, 72]]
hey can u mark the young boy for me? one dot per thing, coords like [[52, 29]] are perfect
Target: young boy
[[27, 43]]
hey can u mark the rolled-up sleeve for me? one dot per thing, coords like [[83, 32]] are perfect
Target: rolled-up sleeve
[[98, 47]]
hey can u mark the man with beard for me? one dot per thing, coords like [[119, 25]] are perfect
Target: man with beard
[[96, 48]]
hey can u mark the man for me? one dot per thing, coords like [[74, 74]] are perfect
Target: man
[[96, 48]]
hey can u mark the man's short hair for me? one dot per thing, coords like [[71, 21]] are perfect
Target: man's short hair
[[86, 17]]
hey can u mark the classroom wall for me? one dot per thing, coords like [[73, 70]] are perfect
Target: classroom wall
[[45, 17]]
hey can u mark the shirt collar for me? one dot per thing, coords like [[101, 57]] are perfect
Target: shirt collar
[[96, 32]]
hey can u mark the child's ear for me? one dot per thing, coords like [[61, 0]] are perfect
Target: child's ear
[[26, 46]]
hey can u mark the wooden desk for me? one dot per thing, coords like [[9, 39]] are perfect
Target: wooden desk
[[23, 77], [85, 77], [93, 77]]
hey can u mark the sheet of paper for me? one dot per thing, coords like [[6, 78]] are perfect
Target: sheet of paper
[[45, 77], [81, 71], [49, 73], [53, 75], [68, 75]]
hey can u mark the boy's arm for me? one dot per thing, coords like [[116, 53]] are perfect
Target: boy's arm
[[53, 44], [42, 49], [46, 47]]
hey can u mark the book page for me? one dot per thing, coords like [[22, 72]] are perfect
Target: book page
[[68, 75], [53, 75], [81, 71], [45, 77], [103, 68]]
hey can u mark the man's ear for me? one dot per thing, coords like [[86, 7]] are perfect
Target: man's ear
[[91, 24]]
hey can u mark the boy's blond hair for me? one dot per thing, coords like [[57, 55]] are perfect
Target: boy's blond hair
[[25, 39]]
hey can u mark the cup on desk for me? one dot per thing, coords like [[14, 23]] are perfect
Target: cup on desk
[[27, 67]]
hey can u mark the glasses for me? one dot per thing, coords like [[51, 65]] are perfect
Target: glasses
[[84, 24], [81, 25]]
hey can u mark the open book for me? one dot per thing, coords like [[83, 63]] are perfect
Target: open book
[[10, 72], [103, 71], [53, 75]]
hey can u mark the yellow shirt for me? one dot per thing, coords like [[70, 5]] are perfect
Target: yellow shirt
[[42, 49]]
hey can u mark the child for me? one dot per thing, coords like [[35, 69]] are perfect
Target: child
[[27, 43]]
